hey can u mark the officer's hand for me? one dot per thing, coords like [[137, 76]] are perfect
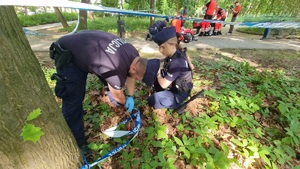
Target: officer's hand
[[129, 103]]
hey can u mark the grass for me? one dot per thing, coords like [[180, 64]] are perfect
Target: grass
[[45, 18]]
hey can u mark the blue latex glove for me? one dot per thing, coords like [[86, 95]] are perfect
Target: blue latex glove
[[129, 103]]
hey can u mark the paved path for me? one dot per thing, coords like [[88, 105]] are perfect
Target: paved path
[[237, 40]]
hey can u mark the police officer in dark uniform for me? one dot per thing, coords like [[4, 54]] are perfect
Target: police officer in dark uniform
[[156, 27], [173, 83], [111, 58]]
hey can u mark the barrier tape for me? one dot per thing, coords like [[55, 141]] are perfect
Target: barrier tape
[[135, 131], [90, 7], [255, 24]]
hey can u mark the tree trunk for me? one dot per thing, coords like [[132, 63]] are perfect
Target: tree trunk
[[151, 11], [61, 17], [45, 9], [83, 17], [26, 10], [23, 88]]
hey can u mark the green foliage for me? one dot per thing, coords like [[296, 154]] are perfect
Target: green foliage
[[30, 132], [138, 5], [234, 104], [44, 18], [93, 83], [96, 119], [109, 24], [48, 73], [254, 31], [259, 111], [110, 3]]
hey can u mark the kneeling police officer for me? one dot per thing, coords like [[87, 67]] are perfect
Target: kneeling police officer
[[173, 83]]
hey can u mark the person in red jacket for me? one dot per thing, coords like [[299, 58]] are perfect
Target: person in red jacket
[[235, 12], [178, 22], [210, 9], [221, 16]]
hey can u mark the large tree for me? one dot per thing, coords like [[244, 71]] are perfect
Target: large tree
[[23, 88], [83, 17], [61, 17]]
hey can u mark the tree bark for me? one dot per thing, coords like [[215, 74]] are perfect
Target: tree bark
[[151, 11], [23, 88], [83, 17], [61, 17]]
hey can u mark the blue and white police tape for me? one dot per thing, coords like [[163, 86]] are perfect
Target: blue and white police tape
[[74, 5], [283, 24], [118, 133], [90, 7]]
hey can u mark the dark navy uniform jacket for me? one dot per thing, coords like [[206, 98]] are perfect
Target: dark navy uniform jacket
[[160, 24], [101, 53], [177, 67]]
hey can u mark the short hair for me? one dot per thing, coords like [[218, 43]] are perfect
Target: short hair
[[141, 66], [236, 2]]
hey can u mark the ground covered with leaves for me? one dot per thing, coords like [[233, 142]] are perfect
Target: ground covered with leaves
[[248, 116]]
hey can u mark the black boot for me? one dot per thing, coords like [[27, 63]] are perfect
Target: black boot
[[151, 37], [147, 37], [201, 34], [219, 33]]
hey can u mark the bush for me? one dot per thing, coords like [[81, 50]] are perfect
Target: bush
[[40, 19], [255, 31], [109, 24]]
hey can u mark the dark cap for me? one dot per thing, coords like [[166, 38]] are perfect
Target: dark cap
[[167, 19], [151, 71], [164, 35]]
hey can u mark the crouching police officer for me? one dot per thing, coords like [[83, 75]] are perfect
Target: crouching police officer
[[172, 83], [112, 59], [156, 27]]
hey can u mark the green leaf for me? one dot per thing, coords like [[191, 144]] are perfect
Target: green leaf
[[161, 134], [149, 130], [185, 139], [156, 144], [263, 156], [180, 127], [178, 141], [34, 114], [31, 133], [170, 163], [125, 156], [135, 162], [154, 164], [161, 156], [225, 148], [289, 150], [170, 151], [237, 142], [210, 165], [198, 131], [185, 151], [265, 150]]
